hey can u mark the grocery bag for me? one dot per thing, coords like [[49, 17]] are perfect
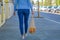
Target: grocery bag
[[32, 28]]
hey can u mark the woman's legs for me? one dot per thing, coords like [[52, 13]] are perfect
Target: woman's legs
[[23, 13]]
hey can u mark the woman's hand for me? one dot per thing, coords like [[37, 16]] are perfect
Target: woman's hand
[[14, 13], [32, 12]]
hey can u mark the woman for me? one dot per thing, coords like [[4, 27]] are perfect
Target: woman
[[23, 7]]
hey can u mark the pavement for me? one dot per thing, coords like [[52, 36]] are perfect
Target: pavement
[[47, 28]]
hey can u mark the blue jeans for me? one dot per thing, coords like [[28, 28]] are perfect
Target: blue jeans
[[23, 14]]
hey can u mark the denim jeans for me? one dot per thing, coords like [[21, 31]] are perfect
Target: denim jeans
[[23, 15]]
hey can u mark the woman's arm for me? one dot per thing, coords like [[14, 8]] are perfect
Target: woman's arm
[[15, 4], [30, 4]]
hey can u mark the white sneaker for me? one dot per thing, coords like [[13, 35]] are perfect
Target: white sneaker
[[26, 34], [23, 37]]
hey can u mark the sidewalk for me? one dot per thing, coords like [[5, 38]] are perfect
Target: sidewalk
[[45, 30]]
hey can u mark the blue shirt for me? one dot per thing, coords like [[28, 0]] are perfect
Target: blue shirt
[[22, 4]]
